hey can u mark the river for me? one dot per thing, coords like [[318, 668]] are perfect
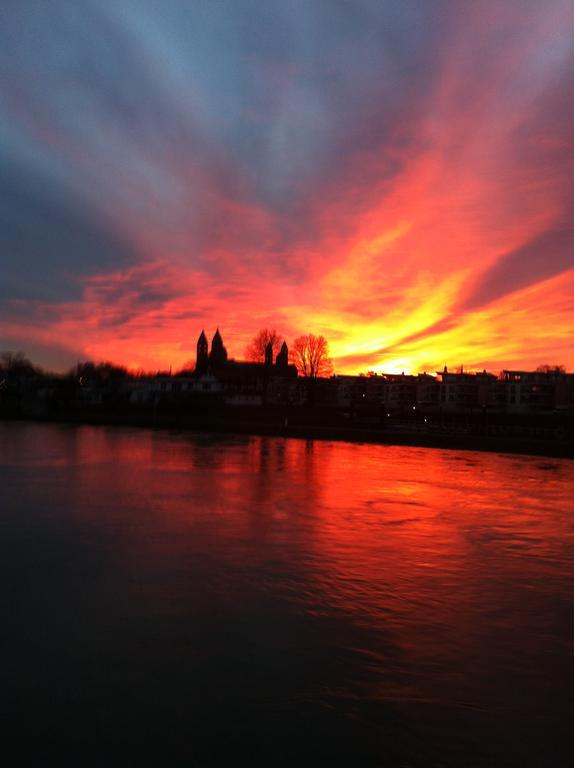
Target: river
[[188, 599]]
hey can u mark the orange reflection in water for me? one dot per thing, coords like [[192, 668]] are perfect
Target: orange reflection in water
[[391, 536], [364, 581]]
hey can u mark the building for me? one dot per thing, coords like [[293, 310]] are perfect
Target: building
[[245, 382], [542, 390], [465, 391]]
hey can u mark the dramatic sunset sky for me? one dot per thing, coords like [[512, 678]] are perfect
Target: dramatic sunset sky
[[397, 175]]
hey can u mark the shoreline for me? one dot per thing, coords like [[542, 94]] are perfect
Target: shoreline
[[352, 434]]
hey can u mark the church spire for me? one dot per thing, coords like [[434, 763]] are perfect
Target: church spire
[[282, 359], [218, 354], [202, 354]]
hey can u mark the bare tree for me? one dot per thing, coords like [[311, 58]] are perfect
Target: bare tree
[[16, 363], [98, 373], [551, 369], [311, 356], [255, 351]]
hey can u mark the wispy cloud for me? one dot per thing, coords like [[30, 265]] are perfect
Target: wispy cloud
[[395, 175]]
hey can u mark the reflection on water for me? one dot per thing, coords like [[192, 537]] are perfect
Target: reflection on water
[[193, 599]]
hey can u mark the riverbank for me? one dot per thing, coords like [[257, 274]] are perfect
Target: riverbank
[[430, 438]]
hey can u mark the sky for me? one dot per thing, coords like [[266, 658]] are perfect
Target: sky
[[396, 175]]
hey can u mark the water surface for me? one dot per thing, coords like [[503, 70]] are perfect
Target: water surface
[[198, 600]]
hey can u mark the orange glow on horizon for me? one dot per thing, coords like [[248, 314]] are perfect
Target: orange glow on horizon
[[448, 240]]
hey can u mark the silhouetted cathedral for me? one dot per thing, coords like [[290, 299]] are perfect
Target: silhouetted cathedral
[[217, 363]]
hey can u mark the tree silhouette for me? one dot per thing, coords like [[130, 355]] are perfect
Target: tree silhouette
[[16, 363], [98, 374], [311, 356], [255, 351], [551, 369]]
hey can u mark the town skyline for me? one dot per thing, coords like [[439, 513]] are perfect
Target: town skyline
[[191, 365]]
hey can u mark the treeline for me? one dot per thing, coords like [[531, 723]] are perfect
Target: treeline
[[17, 364], [308, 352]]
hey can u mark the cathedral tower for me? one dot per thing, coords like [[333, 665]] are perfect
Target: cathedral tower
[[202, 354], [282, 359], [218, 354]]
